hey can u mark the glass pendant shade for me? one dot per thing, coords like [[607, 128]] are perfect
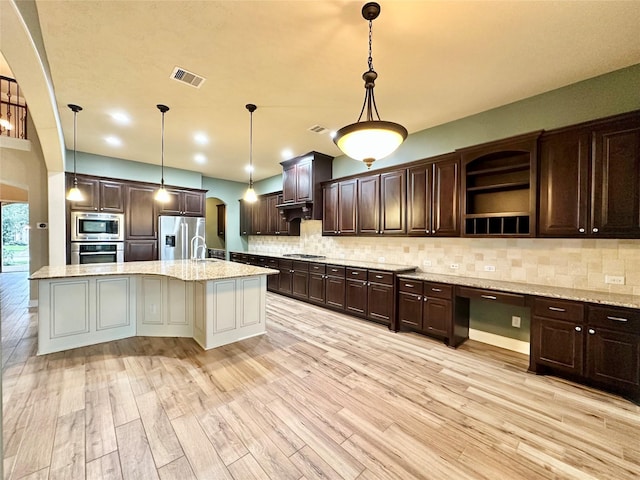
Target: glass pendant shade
[[75, 195], [162, 195], [370, 140], [250, 195]]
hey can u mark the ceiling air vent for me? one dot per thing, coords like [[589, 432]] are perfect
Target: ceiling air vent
[[185, 76], [318, 129]]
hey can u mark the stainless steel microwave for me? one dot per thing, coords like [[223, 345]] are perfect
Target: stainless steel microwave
[[94, 227]]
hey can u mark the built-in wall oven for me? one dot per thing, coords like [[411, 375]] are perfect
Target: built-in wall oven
[[97, 227], [83, 253], [96, 238]]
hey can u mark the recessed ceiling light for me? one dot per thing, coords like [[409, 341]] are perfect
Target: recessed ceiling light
[[200, 158], [286, 154], [201, 138], [121, 118], [113, 141], [249, 168]]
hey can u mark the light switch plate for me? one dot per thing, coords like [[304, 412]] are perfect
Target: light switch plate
[[515, 321], [614, 279]]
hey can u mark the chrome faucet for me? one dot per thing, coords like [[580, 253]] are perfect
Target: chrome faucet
[[195, 246]]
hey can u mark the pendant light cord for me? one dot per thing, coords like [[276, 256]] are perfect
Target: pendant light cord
[[250, 149], [75, 128], [162, 152]]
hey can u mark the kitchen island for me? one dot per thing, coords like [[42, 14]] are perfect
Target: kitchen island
[[214, 301]]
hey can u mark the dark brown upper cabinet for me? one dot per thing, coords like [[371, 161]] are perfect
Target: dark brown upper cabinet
[[433, 190], [263, 217], [184, 202], [499, 187], [590, 179], [301, 189], [99, 195], [339, 206], [382, 204]]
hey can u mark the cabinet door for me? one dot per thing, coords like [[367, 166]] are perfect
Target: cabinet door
[[613, 358], [300, 284], [141, 212], [304, 184], [317, 288], [347, 211], [221, 216], [436, 317], [285, 280], [335, 291], [393, 202], [445, 214], [173, 206], [557, 344], [259, 216], [330, 209], [111, 197], [193, 203], [410, 310], [616, 180], [356, 297], [90, 189], [369, 205], [246, 212], [380, 303], [289, 183], [273, 216], [564, 184], [140, 250], [419, 200]]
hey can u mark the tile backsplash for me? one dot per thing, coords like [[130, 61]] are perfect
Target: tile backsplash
[[572, 263]]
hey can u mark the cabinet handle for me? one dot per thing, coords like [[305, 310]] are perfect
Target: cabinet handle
[[335, 231], [379, 276], [489, 297], [334, 270], [409, 285], [439, 290], [339, 231], [354, 273], [557, 309], [368, 284], [595, 230], [424, 299], [581, 230], [427, 231], [591, 331], [419, 297], [617, 319], [578, 329]]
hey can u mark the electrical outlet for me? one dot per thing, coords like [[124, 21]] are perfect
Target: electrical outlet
[[489, 268], [426, 263], [380, 259], [455, 266], [515, 321], [614, 279]]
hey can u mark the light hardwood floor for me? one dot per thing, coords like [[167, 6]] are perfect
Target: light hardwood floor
[[320, 396]]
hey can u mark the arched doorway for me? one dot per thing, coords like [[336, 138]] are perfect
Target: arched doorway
[[215, 223]]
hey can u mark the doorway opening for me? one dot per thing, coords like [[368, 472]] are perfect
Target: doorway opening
[[216, 227], [15, 237]]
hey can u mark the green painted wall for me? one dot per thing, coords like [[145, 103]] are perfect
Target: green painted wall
[[597, 97], [496, 318]]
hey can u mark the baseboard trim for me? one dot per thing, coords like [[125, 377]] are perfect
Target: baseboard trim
[[499, 341]]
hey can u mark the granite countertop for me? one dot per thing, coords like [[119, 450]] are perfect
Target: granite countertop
[[186, 270], [589, 296], [386, 267]]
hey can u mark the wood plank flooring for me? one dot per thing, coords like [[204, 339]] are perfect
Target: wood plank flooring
[[320, 396]]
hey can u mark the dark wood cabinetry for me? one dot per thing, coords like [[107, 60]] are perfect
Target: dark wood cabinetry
[[285, 278], [263, 217], [382, 203], [99, 195], [141, 223], [356, 291], [499, 187], [433, 190], [594, 343], [184, 202], [590, 179], [140, 250], [426, 307], [246, 217], [335, 287], [301, 189], [317, 279], [300, 280], [339, 208], [221, 217], [380, 297]]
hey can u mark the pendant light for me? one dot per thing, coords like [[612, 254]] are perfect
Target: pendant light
[[74, 194], [162, 195], [250, 194], [371, 139]]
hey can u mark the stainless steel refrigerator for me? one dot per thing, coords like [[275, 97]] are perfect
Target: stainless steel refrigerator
[[176, 235]]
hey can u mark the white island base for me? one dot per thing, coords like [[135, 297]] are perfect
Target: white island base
[[76, 311]]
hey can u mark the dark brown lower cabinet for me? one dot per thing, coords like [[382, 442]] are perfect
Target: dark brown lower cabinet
[[285, 279], [380, 297], [317, 279], [356, 291], [335, 287], [300, 280], [426, 307], [597, 344], [140, 250]]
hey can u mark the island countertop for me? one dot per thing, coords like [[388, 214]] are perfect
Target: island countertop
[[186, 270]]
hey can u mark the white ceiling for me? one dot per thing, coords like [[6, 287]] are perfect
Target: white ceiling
[[301, 62]]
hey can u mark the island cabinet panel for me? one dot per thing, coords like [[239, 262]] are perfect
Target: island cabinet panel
[[164, 307], [590, 179], [102, 309]]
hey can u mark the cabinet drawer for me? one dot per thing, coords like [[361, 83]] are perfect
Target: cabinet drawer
[[380, 277], [356, 274], [288, 264], [317, 268], [410, 286], [272, 263], [438, 290], [621, 319], [301, 266], [491, 295], [560, 309], [335, 271]]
